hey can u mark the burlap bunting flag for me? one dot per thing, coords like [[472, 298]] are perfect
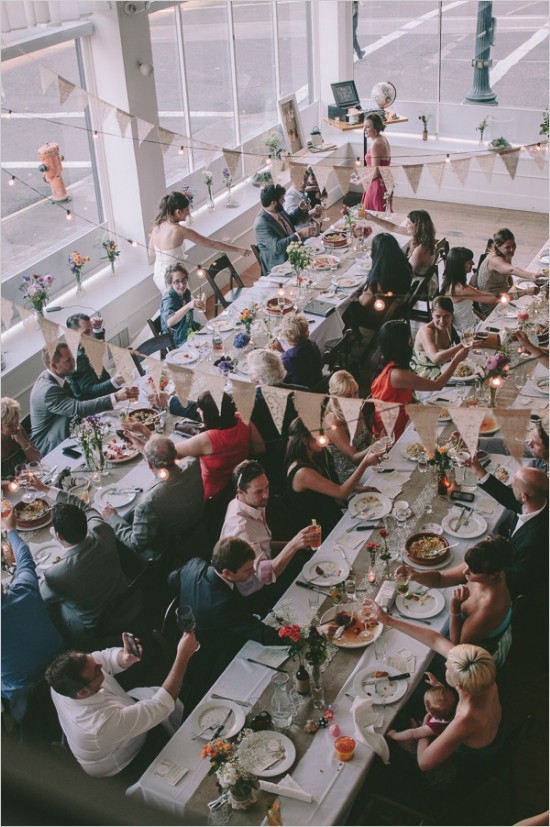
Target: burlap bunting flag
[[124, 364], [47, 77], [232, 159], [65, 89], [28, 317], [322, 173], [276, 168], [104, 109], [308, 407], [276, 400], [143, 129], [200, 383], [153, 367], [95, 351], [468, 421], [424, 418], [6, 312], [537, 153], [487, 165], [166, 138], [297, 174], [413, 173], [183, 382], [123, 120], [72, 337], [216, 386], [252, 164], [82, 98], [343, 175], [388, 413], [244, 397], [437, 172], [510, 159], [461, 167], [208, 156], [50, 333], [351, 410], [513, 427], [365, 175], [387, 178]]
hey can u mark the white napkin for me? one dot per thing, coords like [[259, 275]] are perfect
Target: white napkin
[[365, 719], [351, 540], [403, 660], [485, 506], [398, 477], [272, 655], [386, 487], [287, 786]]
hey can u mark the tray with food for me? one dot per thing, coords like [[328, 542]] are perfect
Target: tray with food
[[354, 632], [465, 372], [427, 549], [33, 515], [118, 449]]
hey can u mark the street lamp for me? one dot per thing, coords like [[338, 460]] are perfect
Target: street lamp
[[481, 91]]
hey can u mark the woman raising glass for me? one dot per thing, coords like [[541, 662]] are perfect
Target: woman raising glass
[[436, 342], [496, 270]]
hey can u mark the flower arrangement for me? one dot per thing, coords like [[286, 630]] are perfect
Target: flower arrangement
[[273, 141], [89, 432], [111, 250], [425, 118], [481, 127], [383, 534], [348, 220], [76, 263], [307, 641], [247, 317], [440, 459], [188, 192], [224, 764], [225, 365], [500, 143], [241, 340], [227, 178], [36, 290], [299, 257], [496, 368]]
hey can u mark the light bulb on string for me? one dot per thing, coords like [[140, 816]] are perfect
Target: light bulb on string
[[95, 136], [11, 181], [9, 113], [163, 474], [200, 273], [379, 304], [13, 485], [448, 159], [69, 215], [180, 151], [131, 242], [358, 161], [322, 439]]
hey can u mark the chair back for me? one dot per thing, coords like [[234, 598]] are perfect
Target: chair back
[[256, 250], [161, 343], [222, 263], [337, 357], [155, 325]]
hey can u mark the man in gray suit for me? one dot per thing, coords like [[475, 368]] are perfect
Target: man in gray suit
[[87, 584], [274, 228], [84, 382], [166, 515], [53, 404]]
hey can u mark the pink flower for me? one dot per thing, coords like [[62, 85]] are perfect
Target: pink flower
[[491, 363], [48, 279], [344, 211]]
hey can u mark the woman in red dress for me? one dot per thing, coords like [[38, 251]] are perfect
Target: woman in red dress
[[379, 155]]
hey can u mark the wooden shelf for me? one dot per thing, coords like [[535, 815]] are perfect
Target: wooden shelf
[[345, 127]]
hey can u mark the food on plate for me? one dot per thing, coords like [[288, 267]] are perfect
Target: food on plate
[[328, 569], [346, 282], [463, 370], [380, 674], [272, 306], [319, 571], [502, 474], [542, 330], [414, 449], [162, 383], [145, 416], [427, 548], [421, 599], [118, 449], [351, 628], [322, 262], [31, 513], [274, 818], [444, 413], [489, 423], [337, 239]]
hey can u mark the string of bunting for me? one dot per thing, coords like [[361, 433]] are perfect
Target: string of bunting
[[190, 383]]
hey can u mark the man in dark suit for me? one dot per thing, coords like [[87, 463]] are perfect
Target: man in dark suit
[[53, 404], [275, 229], [84, 382]]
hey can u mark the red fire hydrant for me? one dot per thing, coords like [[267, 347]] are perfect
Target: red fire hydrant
[[51, 158]]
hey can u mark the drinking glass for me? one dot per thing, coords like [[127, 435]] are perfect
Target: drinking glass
[[185, 620], [388, 441], [401, 579], [350, 585], [24, 478], [365, 615], [380, 647], [314, 600], [422, 460], [519, 381], [402, 511], [468, 338], [378, 448]]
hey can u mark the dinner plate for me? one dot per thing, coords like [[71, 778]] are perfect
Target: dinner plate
[[324, 262], [432, 528], [280, 269], [475, 528], [544, 259], [524, 285], [338, 226], [375, 505], [350, 640], [506, 311], [425, 605], [115, 445], [256, 749], [413, 456], [209, 712], [416, 565], [489, 431], [182, 357], [542, 384], [110, 496], [473, 366], [384, 691], [45, 553], [335, 570], [327, 294], [347, 282], [224, 326], [502, 474]]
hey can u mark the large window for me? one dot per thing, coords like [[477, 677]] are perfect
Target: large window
[[294, 48]]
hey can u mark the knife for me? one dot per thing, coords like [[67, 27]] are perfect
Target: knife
[[388, 678], [458, 522], [233, 701], [267, 665], [310, 586], [366, 527], [406, 617], [222, 725], [355, 528]]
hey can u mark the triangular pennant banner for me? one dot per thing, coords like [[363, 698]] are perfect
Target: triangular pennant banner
[[468, 421], [200, 383], [461, 167], [436, 171], [537, 153], [322, 173], [413, 173], [6, 312], [487, 165], [510, 159], [343, 174], [216, 386], [154, 368], [296, 174], [351, 410], [387, 178], [424, 418], [104, 109], [95, 351], [123, 120], [65, 89], [276, 399], [124, 364], [252, 164], [276, 168], [166, 138], [50, 333], [308, 407], [232, 159], [388, 413], [183, 381], [72, 337], [244, 397], [143, 129], [513, 427], [47, 77], [208, 156], [82, 99], [365, 175]]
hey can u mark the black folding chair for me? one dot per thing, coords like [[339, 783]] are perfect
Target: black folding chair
[[223, 299], [161, 343]]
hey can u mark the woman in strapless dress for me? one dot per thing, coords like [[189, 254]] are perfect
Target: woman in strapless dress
[[168, 237], [379, 155]]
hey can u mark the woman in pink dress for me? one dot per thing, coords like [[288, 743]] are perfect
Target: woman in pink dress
[[379, 155]]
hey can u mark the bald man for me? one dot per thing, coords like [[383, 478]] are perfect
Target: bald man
[[525, 524]]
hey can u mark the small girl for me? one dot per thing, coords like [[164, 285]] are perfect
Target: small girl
[[440, 703]]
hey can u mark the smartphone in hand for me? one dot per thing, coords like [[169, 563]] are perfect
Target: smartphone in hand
[[132, 645]]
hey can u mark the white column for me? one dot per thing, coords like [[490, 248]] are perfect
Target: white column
[[335, 38]]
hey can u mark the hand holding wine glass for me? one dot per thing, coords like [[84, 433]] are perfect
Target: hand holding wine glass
[[379, 449], [185, 620]]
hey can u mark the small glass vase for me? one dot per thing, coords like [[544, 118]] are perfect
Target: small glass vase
[[79, 288], [388, 213], [317, 689], [112, 263], [242, 802], [210, 203], [39, 310], [189, 220], [230, 201], [492, 396]]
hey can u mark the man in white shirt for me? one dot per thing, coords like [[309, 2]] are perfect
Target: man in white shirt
[[106, 727], [245, 518]]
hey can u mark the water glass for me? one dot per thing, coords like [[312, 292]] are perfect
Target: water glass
[[380, 648], [350, 587], [401, 510], [422, 460]]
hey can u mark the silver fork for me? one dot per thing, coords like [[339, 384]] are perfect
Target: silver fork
[[201, 733]]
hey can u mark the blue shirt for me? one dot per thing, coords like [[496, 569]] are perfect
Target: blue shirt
[[170, 303], [303, 365], [30, 641]]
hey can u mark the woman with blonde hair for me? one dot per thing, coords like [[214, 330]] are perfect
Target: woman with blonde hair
[[302, 360], [346, 453], [168, 237], [16, 445]]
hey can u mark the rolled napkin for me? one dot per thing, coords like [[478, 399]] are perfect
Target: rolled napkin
[[287, 786], [365, 719]]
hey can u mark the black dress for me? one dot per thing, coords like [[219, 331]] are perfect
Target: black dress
[[311, 505]]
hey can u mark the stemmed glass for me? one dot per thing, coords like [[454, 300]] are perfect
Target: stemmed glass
[[432, 489], [379, 448], [388, 441], [185, 620], [25, 478], [350, 585]]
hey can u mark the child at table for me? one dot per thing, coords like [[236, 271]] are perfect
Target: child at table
[[440, 704]]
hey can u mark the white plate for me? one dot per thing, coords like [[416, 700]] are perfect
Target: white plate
[[110, 496], [357, 642], [130, 452], [433, 603], [508, 479], [383, 691], [416, 565], [470, 378], [281, 269], [242, 367], [524, 285], [336, 570], [182, 357], [327, 294], [374, 510], [432, 528], [348, 282], [476, 527], [45, 553], [542, 384], [506, 311], [544, 259], [324, 262], [224, 326], [211, 711], [405, 451], [338, 226], [489, 431], [256, 748]]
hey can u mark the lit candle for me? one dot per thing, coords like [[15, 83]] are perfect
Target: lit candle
[[504, 298], [371, 576], [13, 485], [379, 304], [495, 381], [163, 474]]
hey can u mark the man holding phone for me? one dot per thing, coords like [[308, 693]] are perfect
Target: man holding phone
[[113, 731]]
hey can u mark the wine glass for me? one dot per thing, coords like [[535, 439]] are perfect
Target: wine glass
[[378, 448], [366, 613], [401, 579], [519, 381], [388, 441], [185, 620], [468, 338], [24, 478]]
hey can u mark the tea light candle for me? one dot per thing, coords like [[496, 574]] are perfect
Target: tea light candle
[[163, 474], [495, 381], [13, 485], [334, 730], [371, 577]]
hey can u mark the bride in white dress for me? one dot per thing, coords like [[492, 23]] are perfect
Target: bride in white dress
[[168, 237]]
